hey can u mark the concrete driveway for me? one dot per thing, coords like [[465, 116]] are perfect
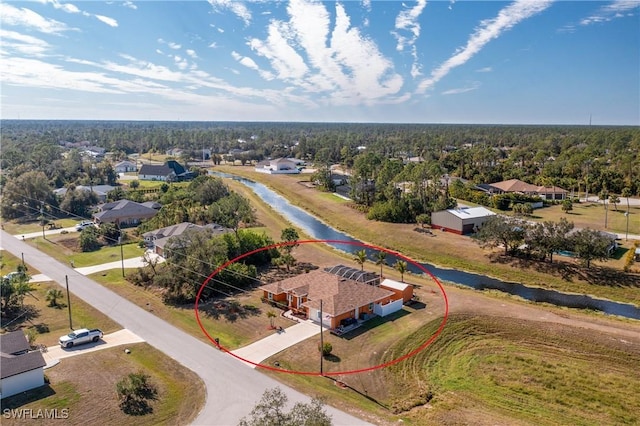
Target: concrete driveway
[[278, 341], [54, 354]]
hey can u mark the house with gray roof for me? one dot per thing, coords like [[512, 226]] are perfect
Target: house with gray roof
[[156, 172], [22, 369], [124, 213], [125, 166], [157, 239], [100, 191]]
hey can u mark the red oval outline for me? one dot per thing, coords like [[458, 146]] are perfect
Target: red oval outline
[[312, 373]]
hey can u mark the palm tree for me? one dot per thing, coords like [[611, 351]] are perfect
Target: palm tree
[[271, 315], [604, 195], [52, 296], [360, 258], [614, 199], [401, 266], [381, 258]]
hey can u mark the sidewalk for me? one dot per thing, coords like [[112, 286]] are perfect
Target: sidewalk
[[277, 342]]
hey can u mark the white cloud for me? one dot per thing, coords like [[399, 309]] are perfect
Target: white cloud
[[109, 21], [488, 30], [337, 61], [485, 69], [407, 21], [67, 7], [460, 90], [174, 46], [213, 45], [251, 64], [616, 9], [24, 44], [10, 15], [236, 7], [130, 5], [192, 53]]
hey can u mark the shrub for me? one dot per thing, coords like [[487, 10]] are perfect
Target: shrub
[[325, 348]]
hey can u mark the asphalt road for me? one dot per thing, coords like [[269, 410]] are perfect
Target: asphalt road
[[232, 387]]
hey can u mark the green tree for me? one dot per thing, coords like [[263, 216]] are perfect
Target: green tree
[[291, 237], [381, 259], [89, 239], [423, 219], [614, 199], [52, 296], [548, 237], [135, 393], [270, 411], [360, 258], [401, 266], [501, 231], [233, 210], [590, 244], [567, 205], [134, 184]]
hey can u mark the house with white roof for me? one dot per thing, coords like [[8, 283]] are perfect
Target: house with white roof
[[465, 220], [278, 166]]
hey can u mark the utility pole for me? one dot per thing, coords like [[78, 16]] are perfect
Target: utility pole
[[121, 252], [321, 342], [66, 277], [42, 218]]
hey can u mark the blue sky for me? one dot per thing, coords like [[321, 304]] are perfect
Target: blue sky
[[520, 62]]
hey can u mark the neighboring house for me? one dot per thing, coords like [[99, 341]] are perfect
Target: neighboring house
[[125, 166], [518, 186], [94, 152], [124, 213], [22, 369], [637, 254], [169, 171], [156, 240], [101, 191], [278, 166], [156, 172], [341, 298], [465, 220]]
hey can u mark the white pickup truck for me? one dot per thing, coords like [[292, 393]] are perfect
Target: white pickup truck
[[80, 336]]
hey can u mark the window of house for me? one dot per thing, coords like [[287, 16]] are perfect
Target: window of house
[[371, 306], [270, 296]]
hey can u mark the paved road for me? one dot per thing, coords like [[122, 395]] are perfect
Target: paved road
[[232, 387]]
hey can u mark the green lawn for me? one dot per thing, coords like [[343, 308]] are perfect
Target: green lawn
[[592, 215], [16, 228], [61, 252]]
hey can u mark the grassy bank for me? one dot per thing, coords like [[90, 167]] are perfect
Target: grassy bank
[[488, 370], [450, 250]]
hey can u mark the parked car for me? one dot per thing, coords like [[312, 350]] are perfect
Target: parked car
[[84, 224], [80, 336], [11, 275]]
